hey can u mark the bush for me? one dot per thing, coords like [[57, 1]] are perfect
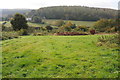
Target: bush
[[8, 35], [40, 33], [71, 33], [92, 31], [36, 19], [109, 30], [23, 32], [19, 22], [106, 25], [3, 27], [82, 28], [8, 29], [49, 28]]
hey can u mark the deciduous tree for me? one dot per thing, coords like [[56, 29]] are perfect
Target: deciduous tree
[[19, 22]]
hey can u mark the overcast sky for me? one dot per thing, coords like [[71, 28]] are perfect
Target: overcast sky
[[35, 4]]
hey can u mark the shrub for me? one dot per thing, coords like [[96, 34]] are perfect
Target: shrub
[[37, 19], [9, 29], [82, 28], [3, 27], [92, 31], [49, 28], [72, 33], [30, 30], [71, 25], [103, 25], [9, 35], [40, 33], [19, 22], [23, 32]]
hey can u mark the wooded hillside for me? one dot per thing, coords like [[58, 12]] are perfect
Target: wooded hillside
[[6, 12], [74, 13]]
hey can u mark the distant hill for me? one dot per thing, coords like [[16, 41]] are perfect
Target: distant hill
[[81, 13], [6, 12]]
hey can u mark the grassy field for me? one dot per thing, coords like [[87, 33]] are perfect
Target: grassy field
[[58, 57], [50, 21]]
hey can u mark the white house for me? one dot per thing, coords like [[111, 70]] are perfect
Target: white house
[[28, 19]]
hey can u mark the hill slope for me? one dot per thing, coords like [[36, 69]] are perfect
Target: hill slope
[[6, 12], [74, 13], [58, 57]]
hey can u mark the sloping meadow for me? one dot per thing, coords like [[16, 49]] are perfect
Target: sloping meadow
[[58, 57]]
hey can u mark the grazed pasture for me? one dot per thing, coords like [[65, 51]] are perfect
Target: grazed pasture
[[58, 57]]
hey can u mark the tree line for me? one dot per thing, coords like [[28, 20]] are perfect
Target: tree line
[[8, 13], [20, 27], [81, 13]]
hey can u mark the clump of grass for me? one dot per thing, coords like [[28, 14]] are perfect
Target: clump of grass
[[109, 41]]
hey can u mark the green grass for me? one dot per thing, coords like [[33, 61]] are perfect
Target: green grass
[[36, 24], [58, 57], [50, 21]]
